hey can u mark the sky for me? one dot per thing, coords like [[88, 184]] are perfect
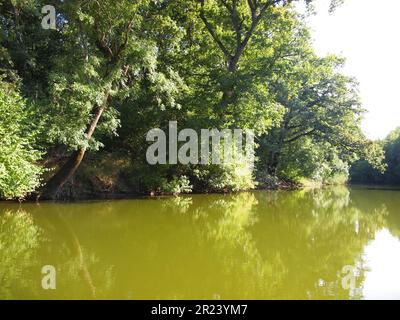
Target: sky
[[367, 34]]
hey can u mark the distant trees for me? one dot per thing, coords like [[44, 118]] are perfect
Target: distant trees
[[392, 150], [363, 172]]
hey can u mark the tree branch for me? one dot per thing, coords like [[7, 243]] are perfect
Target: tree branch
[[210, 29], [298, 136]]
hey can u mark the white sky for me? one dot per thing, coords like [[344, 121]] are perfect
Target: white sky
[[367, 34]]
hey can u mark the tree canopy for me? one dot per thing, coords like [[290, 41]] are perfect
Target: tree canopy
[[112, 70]]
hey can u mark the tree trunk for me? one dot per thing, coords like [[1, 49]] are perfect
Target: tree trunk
[[54, 185], [275, 159], [228, 94]]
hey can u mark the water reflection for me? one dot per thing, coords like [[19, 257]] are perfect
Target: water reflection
[[261, 245], [383, 278], [19, 242]]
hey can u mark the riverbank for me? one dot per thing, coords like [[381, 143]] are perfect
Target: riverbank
[[107, 176]]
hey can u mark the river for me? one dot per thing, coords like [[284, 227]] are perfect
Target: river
[[333, 243]]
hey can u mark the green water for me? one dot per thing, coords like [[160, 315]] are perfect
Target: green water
[[260, 245]]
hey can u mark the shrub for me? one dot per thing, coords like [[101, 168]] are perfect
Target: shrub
[[223, 178], [19, 172]]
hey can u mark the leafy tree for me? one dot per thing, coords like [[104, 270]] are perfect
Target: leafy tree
[[248, 36], [105, 52], [322, 107]]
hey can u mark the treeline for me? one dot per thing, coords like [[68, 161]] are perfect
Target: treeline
[[363, 173], [85, 94]]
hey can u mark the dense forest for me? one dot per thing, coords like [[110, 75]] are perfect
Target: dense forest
[[77, 100]]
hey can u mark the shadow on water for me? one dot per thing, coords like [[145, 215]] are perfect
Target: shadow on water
[[260, 245]]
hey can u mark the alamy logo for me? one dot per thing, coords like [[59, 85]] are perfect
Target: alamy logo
[[349, 278], [49, 20], [227, 146], [49, 278]]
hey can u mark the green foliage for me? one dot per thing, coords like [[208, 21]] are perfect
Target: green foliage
[[105, 65], [177, 185], [206, 64], [19, 172], [320, 133], [317, 162], [363, 172], [160, 179], [224, 178]]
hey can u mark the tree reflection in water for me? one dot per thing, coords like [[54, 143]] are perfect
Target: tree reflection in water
[[258, 245], [19, 242]]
